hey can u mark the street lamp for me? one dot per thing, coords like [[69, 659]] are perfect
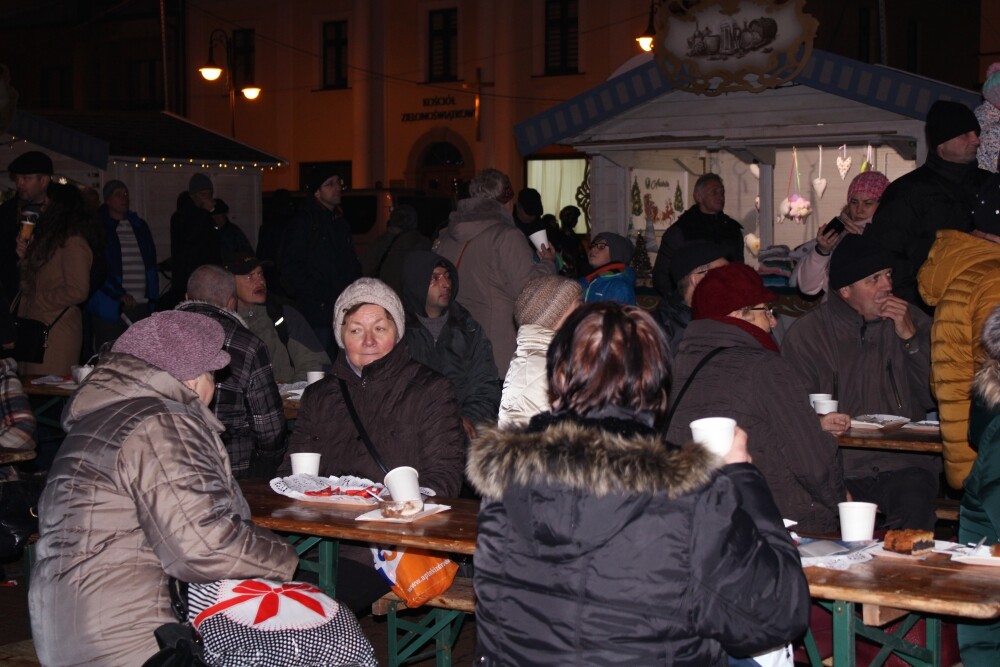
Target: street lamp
[[210, 71], [646, 39]]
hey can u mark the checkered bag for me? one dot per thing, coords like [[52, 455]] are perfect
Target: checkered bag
[[255, 622]]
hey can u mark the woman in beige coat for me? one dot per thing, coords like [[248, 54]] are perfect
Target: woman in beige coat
[[55, 278]]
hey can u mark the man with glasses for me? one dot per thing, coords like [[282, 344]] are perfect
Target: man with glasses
[[290, 341], [441, 334], [871, 350]]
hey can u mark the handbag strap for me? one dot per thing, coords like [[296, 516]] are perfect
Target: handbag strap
[[677, 401], [17, 300], [361, 427]]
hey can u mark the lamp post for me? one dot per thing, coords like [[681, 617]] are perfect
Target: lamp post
[[210, 71], [646, 39]]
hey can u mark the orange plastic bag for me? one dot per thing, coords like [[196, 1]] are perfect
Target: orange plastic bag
[[416, 575]]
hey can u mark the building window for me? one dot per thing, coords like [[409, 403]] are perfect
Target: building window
[[562, 37], [145, 85], [243, 58], [57, 87], [335, 54], [442, 57]]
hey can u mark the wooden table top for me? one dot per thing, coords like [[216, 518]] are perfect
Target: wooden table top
[[43, 389], [453, 531], [15, 455], [900, 439], [933, 584]]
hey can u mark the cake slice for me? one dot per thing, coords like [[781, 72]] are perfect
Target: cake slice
[[909, 541]]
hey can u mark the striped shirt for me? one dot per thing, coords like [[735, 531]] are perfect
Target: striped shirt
[[133, 268]]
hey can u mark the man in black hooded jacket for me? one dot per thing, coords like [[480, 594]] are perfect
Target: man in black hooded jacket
[[441, 334]]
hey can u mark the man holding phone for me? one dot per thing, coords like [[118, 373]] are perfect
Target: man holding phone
[[863, 196]]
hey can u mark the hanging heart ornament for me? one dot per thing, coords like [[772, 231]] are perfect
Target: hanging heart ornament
[[843, 166], [819, 185]]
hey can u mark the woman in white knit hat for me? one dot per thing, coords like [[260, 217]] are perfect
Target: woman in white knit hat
[[409, 412], [543, 305]]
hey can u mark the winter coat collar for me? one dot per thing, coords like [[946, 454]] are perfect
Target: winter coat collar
[[210, 309], [388, 366], [596, 457], [473, 215], [614, 268], [953, 172]]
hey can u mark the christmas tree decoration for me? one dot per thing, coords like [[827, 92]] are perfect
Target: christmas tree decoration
[[640, 261], [867, 164], [843, 162], [636, 197], [795, 207], [678, 199]]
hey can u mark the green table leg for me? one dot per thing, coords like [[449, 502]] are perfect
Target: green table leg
[[325, 566], [844, 622], [45, 407]]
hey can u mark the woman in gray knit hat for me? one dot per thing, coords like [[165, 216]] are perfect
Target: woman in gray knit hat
[[543, 305], [409, 412]]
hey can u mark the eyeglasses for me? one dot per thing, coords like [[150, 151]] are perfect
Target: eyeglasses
[[600, 245], [767, 309]]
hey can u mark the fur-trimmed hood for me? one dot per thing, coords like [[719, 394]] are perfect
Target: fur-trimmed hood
[[576, 483]]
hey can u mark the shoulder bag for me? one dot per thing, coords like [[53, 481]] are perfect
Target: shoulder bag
[[31, 336], [677, 401]]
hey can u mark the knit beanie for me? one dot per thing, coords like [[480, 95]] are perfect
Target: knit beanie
[[198, 183], [319, 175], [991, 89], [986, 212], [728, 288], [620, 247], [111, 186], [544, 300], [373, 291], [857, 256], [531, 202], [868, 185], [947, 120], [181, 343], [693, 254], [32, 162]]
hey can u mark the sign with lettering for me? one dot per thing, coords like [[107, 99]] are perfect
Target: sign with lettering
[[717, 46], [438, 114]]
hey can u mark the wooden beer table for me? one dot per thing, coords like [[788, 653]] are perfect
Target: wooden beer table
[[53, 397], [898, 440]]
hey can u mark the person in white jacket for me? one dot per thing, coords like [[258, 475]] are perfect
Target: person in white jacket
[[540, 309]]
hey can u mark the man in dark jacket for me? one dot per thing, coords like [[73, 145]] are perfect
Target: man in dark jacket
[[940, 194], [31, 173], [132, 287], [193, 239], [704, 221], [384, 258], [317, 259], [871, 350], [441, 333], [246, 395], [695, 260]]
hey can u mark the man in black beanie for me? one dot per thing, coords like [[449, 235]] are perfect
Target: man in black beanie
[[938, 195], [871, 350], [317, 258], [31, 173]]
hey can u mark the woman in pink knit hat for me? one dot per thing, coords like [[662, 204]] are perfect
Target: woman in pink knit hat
[[863, 196]]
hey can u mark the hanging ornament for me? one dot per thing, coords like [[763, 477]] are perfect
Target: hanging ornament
[[843, 162], [819, 183], [752, 242], [795, 207], [678, 198], [636, 197], [755, 170], [867, 164]]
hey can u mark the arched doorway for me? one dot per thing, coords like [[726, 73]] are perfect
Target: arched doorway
[[439, 161]]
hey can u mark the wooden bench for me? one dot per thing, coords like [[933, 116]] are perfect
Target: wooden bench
[[947, 509], [441, 624]]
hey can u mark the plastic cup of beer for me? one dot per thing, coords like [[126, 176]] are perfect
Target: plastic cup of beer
[[305, 463], [28, 220]]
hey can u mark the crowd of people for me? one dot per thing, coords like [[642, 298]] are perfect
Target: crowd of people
[[539, 386]]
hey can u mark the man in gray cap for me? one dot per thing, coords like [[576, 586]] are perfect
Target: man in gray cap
[[317, 259], [31, 173], [194, 240], [871, 350], [940, 194], [132, 287]]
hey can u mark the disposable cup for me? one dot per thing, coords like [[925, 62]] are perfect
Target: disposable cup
[[539, 239], [305, 463], [27, 229], [818, 397], [825, 406], [80, 373], [715, 433], [403, 484], [857, 521], [314, 376]]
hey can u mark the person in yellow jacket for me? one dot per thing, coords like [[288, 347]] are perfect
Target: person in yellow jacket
[[961, 279]]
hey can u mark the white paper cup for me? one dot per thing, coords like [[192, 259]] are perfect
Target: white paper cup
[[314, 376], [539, 239], [715, 433], [857, 521], [305, 463], [825, 406], [403, 484], [819, 397], [80, 373]]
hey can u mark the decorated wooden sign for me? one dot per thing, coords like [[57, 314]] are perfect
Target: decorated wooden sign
[[717, 46]]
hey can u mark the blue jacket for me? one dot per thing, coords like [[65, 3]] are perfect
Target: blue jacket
[[611, 282], [106, 302]]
